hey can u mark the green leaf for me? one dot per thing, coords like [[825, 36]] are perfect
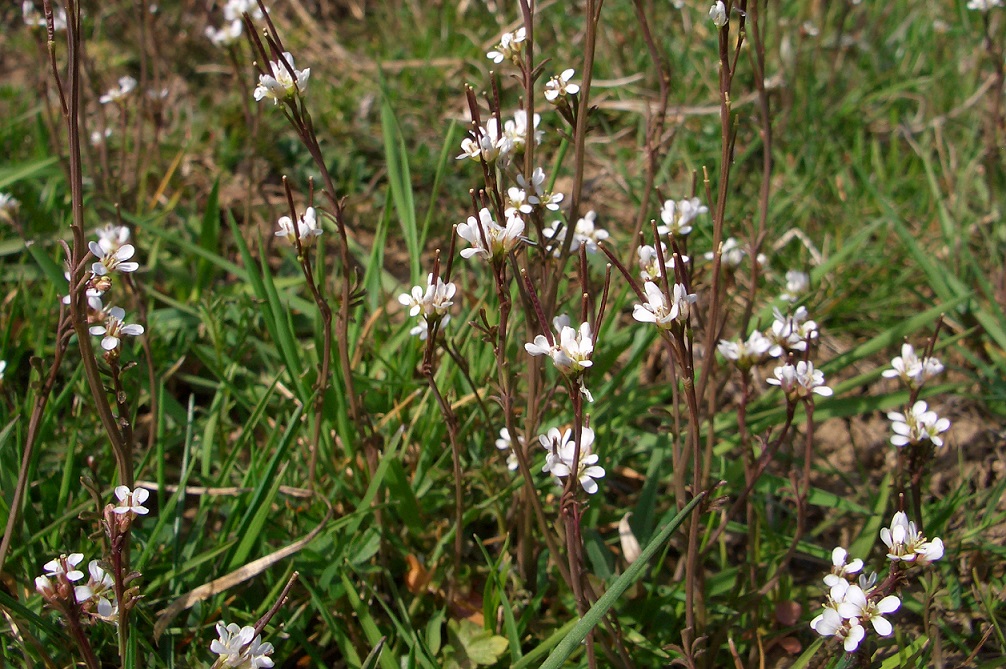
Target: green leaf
[[474, 645], [400, 182]]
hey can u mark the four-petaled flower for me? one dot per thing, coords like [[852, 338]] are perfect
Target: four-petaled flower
[[489, 239], [112, 237], [678, 216], [114, 329], [840, 568], [905, 543], [856, 605], [112, 261], [285, 82], [306, 229], [790, 333], [800, 380], [561, 449], [910, 369], [559, 86], [131, 501], [430, 303]]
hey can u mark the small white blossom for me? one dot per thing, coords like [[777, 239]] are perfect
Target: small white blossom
[[911, 370], [307, 228], [487, 238], [65, 565], [559, 86], [509, 47], [227, 34], [656, 310], [93, 296], [797, 283], [112, 237], [430, 303], [114, 261], [517, 201], [905, 543], [571, 350], [841, 568], [241, 647], [984, 5], [486, 146], [113, 330], [515, 133], [678, 216], [799, 381], [649, 261], [131, 501], [831, 623], [538, 195], [235, 8], [731, 253], [917, 425], [857, 605], [99, 591], [3, 368], [505, 443], [282, 85], [791, 333], [718, 14], [745, 354], [560, 450], [126, 86]]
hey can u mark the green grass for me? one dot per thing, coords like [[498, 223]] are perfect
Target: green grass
[[878, 160]]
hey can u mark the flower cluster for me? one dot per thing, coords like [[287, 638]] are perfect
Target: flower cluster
[[649, 261], [677, 216], [240, 647], [800, 381], [916, 425], [285, 81], [306, 229], [488, 238], [912, 370], [560, 450], [232, 28], [852, 601], [493, 144], [570, 350], [113, 254], [661, 311], [790, 334], [746, 353], [429, 303]]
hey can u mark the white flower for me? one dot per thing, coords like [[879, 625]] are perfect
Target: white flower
[[515, 133], [65, 565], [587, 233], [100, 589], [910, 369], [307, 228], [656, 310], [8, 207], [840, 569], [430, 304], [285, 82], [113, 330], [227, 34], [112, 237], [485, 145], [571, 349], [857, 605], [3, 368], [235, 8], [487, 238], [559, 86], [649, 261], [240, 647], [745, 354], [517, 201], [131, 501], [678, 216], [97, 137], [112, 261], [905, 543], [718, 14], [983, 5], [93, 296], [797, 283], [791, 333], [731, 253], [798, 382], [509, 47], [831, 623], [561, 448], [126, 86], [505, 443], [917, 425]]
